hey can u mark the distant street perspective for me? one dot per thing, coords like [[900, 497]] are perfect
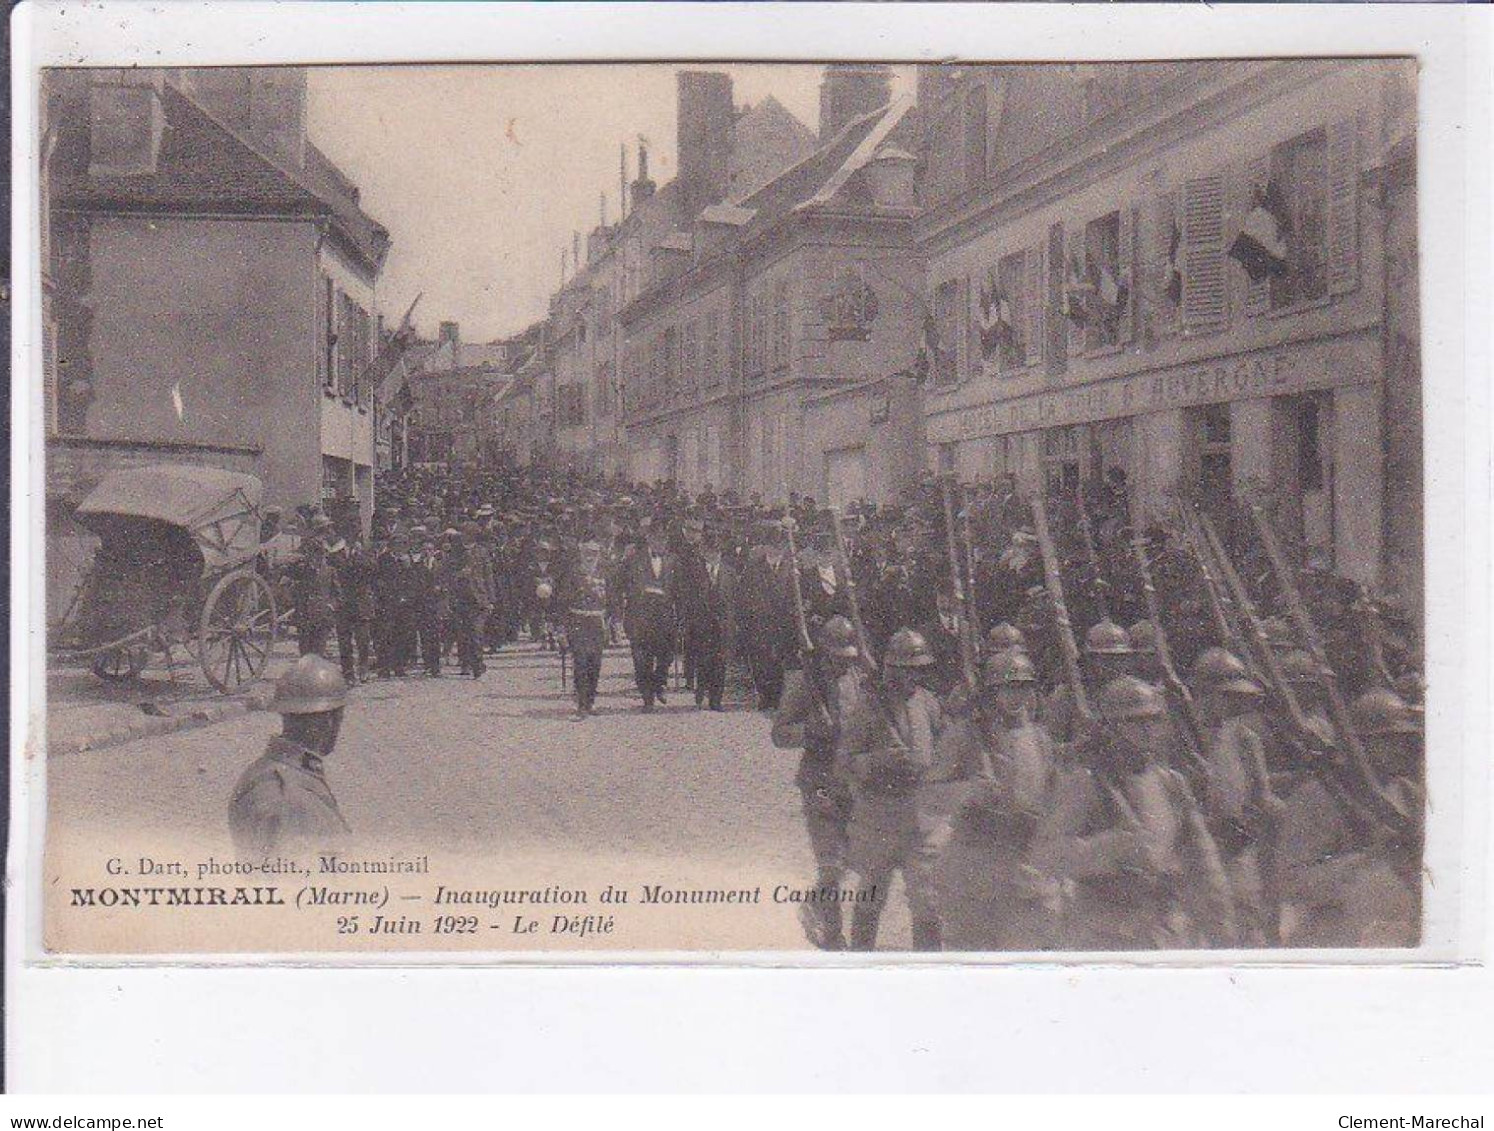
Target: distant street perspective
[[837, 508]]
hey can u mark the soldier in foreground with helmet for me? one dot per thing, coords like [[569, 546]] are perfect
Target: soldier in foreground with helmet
[[816, 699], [1347, 881], [282, 802], [1144, 869], [1241, 807], [887, 746], [991, 895]]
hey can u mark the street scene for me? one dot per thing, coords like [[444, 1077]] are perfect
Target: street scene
[[836, 508]]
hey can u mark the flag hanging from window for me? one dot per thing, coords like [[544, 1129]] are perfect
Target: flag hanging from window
[[1261, 245]]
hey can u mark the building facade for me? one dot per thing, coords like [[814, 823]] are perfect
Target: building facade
[[213, 290], [1178, 272]]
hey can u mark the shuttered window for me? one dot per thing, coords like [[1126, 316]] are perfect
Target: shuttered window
[[1205, 299], [942, 346], [1056, 334]]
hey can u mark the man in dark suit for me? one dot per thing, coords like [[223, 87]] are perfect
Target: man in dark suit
[[651, 616], [767, 614], [707, 604]]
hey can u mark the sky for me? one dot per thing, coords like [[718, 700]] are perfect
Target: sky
[[481, 173]]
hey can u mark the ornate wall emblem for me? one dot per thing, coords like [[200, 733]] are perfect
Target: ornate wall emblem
[[850, 308]]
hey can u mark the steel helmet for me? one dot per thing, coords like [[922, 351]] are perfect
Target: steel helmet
[[1008, 667], [908, 649], [312, 686], [1142, 636], [838, 638], [1218, 670], [1003, 636], [544, 590], [1381, 711], [1299, 667], [1107, 639], [1130, 698]]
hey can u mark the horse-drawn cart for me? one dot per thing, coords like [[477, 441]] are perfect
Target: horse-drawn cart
[[180, 562]]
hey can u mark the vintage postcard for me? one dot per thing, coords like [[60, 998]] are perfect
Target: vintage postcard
[[733, 508]]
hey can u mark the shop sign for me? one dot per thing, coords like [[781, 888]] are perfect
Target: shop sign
[[1260, 373]]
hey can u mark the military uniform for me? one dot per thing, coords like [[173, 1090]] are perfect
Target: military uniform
[[585, 596], [282, 803], [823, 788]]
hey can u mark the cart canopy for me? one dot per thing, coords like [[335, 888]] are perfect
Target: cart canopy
[[220, 509]]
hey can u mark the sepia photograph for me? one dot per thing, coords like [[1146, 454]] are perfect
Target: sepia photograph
[[733, 508]]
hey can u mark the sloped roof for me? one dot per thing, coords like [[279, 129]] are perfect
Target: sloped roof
[[203, 165], [766, 139]]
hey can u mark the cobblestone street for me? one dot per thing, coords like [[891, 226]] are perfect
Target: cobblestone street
[[497, 769]]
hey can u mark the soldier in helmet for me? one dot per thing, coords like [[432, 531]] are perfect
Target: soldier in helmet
[[1347, 880], [1107, 656], [282, 801], [1005, 637], [816, 698], [1143, 868], [1239, 802], [887, 746], [991, 897]]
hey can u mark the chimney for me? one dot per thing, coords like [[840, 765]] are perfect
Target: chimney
[[706, 117], [850, 90], [451, 333], [643, 188]]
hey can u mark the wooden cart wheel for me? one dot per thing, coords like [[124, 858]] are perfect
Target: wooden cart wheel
[[237, 633], [121, 663]]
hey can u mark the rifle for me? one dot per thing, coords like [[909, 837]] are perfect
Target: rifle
[[808, 663], [1337, 709], [967, 642], [1054, 586], [1224, 631], [1098, 584]]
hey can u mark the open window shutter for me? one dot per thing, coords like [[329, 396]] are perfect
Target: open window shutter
[[1205, 299], [1343, 206], [1257, 172], [1158, 310], [1056, 331], [1074, 261], [1126, 261], [1033, 305]]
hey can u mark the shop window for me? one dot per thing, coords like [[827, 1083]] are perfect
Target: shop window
[[1214, 466], [1062, 450]]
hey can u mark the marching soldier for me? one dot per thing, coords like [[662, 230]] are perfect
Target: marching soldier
[[991, 898], [887, 743], [1239, 803], [1345, 881], [815, 699], [282, 802], [651, 617], [1107, 656], [1142, 868], [585, 601]]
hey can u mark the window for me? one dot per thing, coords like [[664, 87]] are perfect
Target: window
[[669, 377], [1296, 196], [1062, 449], [779, 342], [711, 351], [604, 391], [1011, 299], [1109, 278], [690, 361], [1202, 289], [124, 130], [942, 347], [1009, 305], [572, 405], [1214, 466]]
